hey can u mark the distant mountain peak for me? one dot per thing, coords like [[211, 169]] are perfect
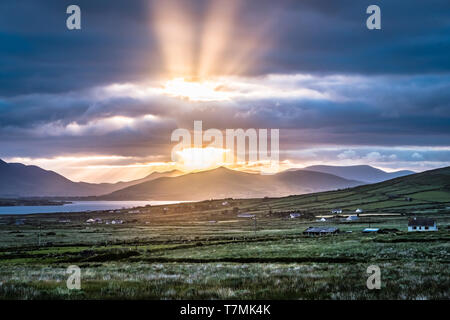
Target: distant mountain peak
[[363, 172], [162, 173]]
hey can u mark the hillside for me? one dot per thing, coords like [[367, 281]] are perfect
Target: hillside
[[360, 172], [226, 183], [413, 194]]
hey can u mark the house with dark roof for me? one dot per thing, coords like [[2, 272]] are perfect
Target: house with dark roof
[[422, 224], [319, 231]]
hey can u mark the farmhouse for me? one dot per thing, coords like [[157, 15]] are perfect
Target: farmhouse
[[312, 231], [352, 218], [294, 215], [422, 224], [96, 220], [336, 211], [359, 210]]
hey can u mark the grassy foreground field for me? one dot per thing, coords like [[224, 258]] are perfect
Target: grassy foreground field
[[205, 251], [223, 260]]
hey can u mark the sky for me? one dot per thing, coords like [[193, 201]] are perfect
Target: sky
[[99, 104]]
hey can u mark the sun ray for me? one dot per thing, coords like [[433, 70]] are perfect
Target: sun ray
[[175, 31], [204, 44]]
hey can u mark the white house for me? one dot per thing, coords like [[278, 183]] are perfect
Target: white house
[[359, 210], [96, 220], [336, 211], [352, 218], [421, 224], [294, 215]]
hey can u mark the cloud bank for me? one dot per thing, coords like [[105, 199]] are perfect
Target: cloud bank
[[338, 92]]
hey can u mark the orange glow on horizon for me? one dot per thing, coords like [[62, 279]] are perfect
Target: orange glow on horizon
[[198, 159]]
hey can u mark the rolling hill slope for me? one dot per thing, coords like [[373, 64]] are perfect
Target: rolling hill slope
[[413, 194]]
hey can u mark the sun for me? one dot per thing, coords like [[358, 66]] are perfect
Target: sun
[[195, 90], [197, 159]]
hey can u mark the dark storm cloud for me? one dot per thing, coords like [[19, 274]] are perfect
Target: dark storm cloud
[[364, 111], [385, 87], [39, 54], [330, 36]]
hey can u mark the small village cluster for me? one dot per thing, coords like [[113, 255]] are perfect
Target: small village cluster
[[414, 224], [98, 220]]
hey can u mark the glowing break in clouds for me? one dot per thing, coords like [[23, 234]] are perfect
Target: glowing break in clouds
[[217, 89]]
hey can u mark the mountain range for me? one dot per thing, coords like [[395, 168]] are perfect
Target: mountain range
[[362, 173], [18, 180], [226, 183]]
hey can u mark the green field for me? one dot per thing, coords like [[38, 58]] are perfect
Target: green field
[[205, 251]]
